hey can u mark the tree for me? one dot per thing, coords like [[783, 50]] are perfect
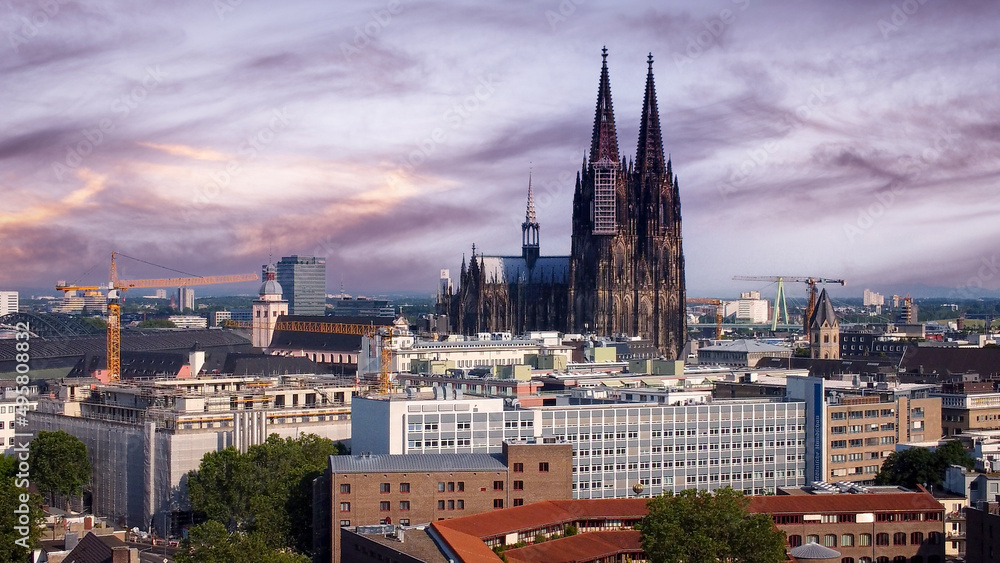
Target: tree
[[212, 543], [17, 511], [696, 526], [920, 466], [59, 464], [266, 492]]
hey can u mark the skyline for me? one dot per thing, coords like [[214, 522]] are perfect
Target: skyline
[[222, 133]]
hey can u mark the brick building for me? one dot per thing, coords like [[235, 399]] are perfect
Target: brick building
[[875, 527], [368, 489]]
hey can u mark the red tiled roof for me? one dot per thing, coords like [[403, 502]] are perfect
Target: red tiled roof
[[579, 548], [874, 502]]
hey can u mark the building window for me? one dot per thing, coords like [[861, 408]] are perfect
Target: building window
[[451, 505], [384, 488], [384, 506], [812, 538], [864, 540], [345, 488], [795, 541], [917, 538], [404, 487], [518, 485], [461, 504], [518, 502], [345, 523], [899, 538], [441, 486], [543, 466], [847, 560], [440, 505], [461, 486], [345, 507], [830, 540], [498, 503], [882, 539], [497, 485], [404, 505], [404, 521], [518, 468], [451, 486], [847, 540]]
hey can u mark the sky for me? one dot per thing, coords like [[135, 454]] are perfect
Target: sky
[[854, 139]]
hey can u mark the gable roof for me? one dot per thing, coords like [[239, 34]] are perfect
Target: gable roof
[[95, 549], [581, 547], [823, 313]]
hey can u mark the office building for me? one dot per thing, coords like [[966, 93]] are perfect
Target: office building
[[8, 302], [752, 445], [750, 308], [142, 439], [303, 280], [740, 353], [11, 411], [367, 489], [185, 299]]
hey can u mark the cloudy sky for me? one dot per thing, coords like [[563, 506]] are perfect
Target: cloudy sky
[[849, 139]]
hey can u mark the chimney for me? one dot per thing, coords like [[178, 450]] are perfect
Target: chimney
[[121, 554]]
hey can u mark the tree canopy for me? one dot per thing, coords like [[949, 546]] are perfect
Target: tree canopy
[[59, 464], [14, 512], [698, 526], [265, 493], [156, 323], [212, 543], [920, 466]]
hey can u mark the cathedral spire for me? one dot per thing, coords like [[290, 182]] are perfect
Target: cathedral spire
[[605, 141], [529, 230], [649, 151]]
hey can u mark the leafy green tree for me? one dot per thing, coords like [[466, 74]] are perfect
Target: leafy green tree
[[697, 526], [97, 322], [212, 543], [266, 492], [59, 464], [920, 466], [18, 514]]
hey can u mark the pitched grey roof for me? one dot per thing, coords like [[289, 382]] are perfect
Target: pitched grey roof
[[412, 463], [744, 345], [823, 312], [813, 550]]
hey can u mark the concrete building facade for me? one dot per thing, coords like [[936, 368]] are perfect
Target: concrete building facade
[[8, 302], [754, 445]]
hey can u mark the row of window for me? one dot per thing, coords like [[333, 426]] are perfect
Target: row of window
[[860, 443], [859, 428], [865, 540], [869, 413], [543, 467], [896, 559], [858, 456]]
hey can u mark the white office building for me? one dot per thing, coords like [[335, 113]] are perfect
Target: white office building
[[751, 445]]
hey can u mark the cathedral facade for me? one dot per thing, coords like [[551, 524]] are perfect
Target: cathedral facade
[[625, 272]]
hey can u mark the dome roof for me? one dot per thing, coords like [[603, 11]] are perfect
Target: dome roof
[[270, 287], [813, 550]]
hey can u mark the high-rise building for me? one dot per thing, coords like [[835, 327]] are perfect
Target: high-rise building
[[8, 302], [185, 298], [625, 274], [303, 281], [873, 299]]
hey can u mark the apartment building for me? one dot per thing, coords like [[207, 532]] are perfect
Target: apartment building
[[969, 406]]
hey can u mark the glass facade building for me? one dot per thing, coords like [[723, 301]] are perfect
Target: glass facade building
[[303, 283]]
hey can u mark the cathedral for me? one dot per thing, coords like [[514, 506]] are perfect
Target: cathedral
[[625, 271]]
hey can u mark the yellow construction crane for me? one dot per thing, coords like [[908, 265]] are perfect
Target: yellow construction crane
[[371, 331], [779, 299], [718, 312], [117, 287]]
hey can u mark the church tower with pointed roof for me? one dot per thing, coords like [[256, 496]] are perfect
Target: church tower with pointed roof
[[824, 330], [625, 272]]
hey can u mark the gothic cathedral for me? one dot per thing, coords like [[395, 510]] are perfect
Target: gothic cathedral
[[625, 272]]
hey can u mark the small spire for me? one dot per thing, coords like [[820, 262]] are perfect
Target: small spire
[[529, 214], [604, 54], [650, 61]]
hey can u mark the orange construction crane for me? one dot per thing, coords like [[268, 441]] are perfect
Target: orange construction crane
[[371, 331], [116, 288], [718, 312], [779, 300]]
